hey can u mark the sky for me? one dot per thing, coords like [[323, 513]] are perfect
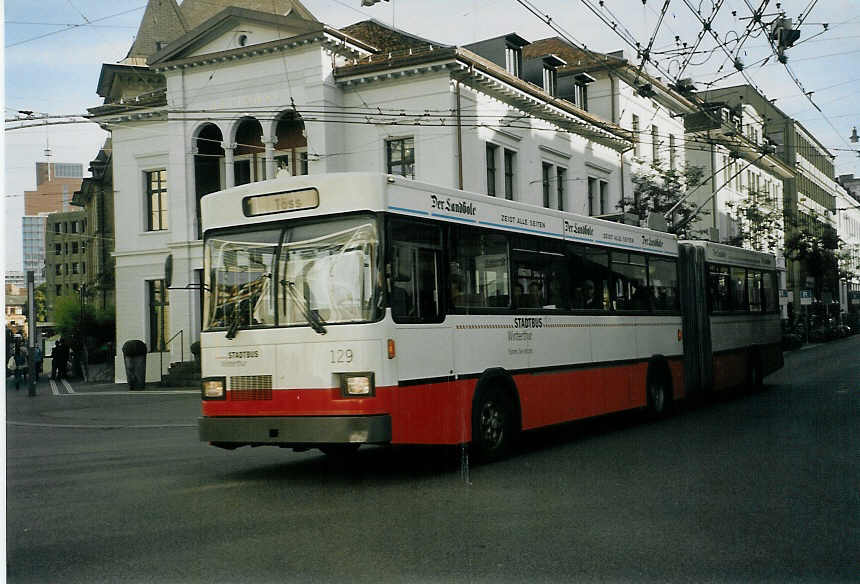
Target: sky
[[54, 49]]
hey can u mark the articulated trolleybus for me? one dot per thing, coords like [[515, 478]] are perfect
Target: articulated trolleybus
[[349, 309]]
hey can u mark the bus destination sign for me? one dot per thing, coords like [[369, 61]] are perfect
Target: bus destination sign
[[281, 202]]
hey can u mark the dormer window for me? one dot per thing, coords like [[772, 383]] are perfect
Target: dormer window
[[551, 63], [514, 44], [580, 89], [513, 60], [550, 80]]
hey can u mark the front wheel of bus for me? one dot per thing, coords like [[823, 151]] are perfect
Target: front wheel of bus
[[492, 425]]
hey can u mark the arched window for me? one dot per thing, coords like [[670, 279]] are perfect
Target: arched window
[[291, 144], [249, 159], [208, 164]]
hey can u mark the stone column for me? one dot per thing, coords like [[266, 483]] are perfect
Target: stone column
[[269, 143], [229, 169]]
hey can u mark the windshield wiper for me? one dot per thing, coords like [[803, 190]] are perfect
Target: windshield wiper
[[233, 322], [311, 316]]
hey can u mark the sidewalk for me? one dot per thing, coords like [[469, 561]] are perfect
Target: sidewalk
[[74, 404]]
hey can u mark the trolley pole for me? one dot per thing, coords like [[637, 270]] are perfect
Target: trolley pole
[[31, 337]]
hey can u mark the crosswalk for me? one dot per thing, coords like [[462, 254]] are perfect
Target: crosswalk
[[66, 385], [63, 388]]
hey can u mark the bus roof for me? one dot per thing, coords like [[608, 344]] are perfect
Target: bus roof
[[348, 192], [721, 253]]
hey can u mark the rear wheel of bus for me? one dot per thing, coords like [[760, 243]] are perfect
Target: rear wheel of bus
[[494, 423], [659, 391]]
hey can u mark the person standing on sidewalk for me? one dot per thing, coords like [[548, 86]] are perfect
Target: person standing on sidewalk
[[60, 355], [20, 367], [37, 359]]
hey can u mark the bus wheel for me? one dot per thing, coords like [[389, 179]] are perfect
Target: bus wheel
[[339, 450], [492, 425], [659, 395]]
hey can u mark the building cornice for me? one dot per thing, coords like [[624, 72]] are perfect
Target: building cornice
[[486, 77], [330, 38]]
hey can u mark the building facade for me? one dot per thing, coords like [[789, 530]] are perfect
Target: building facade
[[97, 201], [56, 182], [809, 197], [65, 262], [743, 198], [848, 228], [33, 242], [248, 93], [613, 88]]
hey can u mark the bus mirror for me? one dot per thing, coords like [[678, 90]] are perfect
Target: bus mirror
[[168, 270]]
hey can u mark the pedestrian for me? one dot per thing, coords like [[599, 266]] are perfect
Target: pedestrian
[[37, 359], [61, 358], [55, 359], [20, 367]]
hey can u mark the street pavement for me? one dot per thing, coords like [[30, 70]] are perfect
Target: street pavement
[[108, 485]]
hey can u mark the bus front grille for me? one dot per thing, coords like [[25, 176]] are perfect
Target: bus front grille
[[250, 387]]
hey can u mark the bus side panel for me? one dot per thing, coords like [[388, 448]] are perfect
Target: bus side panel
[[553, 398], [676, 370], [730, 369], [433, 413]]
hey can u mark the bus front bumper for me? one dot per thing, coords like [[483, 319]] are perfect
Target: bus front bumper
[[295, 430]]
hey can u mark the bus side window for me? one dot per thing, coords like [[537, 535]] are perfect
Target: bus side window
[[769, 284], [663, 280], [630, 277], [479, 274], [737, 288], [754, 290], [589, 269], [718, 288], [413, 271]]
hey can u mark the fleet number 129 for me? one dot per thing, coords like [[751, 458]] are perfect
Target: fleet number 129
[[341, 355]]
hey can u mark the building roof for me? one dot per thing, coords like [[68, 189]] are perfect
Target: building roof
[[576, 58], [162, 22], [196, 12], [227, 18], [386, 38]]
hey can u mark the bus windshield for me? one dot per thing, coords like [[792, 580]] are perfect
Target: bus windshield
[[317, 273]]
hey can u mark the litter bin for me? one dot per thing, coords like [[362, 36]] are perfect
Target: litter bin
[[134, 355]]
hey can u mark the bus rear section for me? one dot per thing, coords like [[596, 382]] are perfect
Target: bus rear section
[[731, 316]]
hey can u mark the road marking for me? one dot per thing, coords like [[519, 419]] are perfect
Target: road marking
[[99, 426], [68, 386], [230, 485], [156, 392], [54, 387]]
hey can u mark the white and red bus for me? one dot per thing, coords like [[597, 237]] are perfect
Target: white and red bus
[[349, 309]]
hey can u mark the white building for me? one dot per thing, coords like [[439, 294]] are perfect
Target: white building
[[616, 89], [248, 92], [848, 228], [730, 145]]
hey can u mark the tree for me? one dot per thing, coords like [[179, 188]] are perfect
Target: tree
[[658, 190], [816, 245], [67, 316], [758, 221], [40, 301]]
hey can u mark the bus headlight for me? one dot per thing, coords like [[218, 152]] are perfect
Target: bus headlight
[[357, 384], [213, 388]]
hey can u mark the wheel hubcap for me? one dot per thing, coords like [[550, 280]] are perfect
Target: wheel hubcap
[[492, 425]]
